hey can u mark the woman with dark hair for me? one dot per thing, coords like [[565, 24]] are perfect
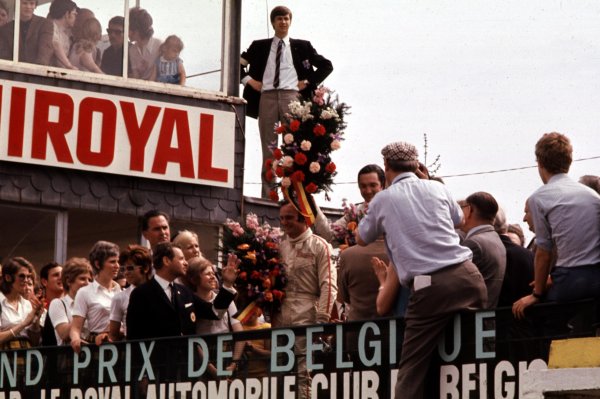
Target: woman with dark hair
[[63, 13], [92, 302], [145, 49], [76, 273], [137, 264], [4, 13], [19, 320]]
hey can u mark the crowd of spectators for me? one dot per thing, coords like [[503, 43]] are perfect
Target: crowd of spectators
[[80, 302], [71, 37]]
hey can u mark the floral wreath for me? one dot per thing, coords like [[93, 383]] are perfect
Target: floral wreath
[[345, 234], [262, 275], [312, 129]]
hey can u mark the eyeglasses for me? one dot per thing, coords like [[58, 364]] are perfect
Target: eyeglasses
[[115, 31], [23, 276]]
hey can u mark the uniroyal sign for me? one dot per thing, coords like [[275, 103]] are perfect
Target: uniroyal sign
[[116, 134]]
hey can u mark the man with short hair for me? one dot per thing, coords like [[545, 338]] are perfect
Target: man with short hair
[[418, 218], [489, 254], [112, 57], [566, 216], [50, 278], [155, 227], [371, 180], [280, 68], [311, 283], [35, 38]]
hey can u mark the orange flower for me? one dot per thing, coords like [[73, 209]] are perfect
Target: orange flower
[[351, 226], [243, 247], [251, 256]]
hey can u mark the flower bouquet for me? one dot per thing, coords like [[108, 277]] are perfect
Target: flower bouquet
[[344, 229], [261, 275], [312, 129]]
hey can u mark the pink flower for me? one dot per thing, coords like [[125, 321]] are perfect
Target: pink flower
[[314, 167], [305, 145], [252, 221]]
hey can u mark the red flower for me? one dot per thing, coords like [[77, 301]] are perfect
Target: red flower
[[294, 125], [277, 294], [330, 167], [319, 130], [277, 154], [271, 245], [243, 276], [269, 163], [297, 176], [269, 175], [274, 196], [311, 188], [280, 129], [255, 275], [279, 171], [300, 158]]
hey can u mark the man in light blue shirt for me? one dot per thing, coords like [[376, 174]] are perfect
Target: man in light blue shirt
[[418, 219], [566, 216]]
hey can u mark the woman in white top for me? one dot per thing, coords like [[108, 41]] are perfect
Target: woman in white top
[[92, 303], [76, 273], [19, 319], [137, 265], [84, 54], [63, 14]]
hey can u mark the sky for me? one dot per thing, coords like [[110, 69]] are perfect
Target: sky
[[482, 79]]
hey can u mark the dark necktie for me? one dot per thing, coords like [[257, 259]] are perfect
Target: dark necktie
[[278, 63], [173, 295]]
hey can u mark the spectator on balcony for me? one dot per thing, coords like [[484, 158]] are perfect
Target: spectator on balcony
[[63, 14], [4, 13], [566, 216], [35, 38], [145, 49], [76, 274], [20, 315], [92, 303], [188, 242], [84, 54], [137, 264], [169, 67], [112, 57]]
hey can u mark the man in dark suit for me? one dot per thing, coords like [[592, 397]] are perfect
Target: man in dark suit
[[279, 68], [519, 265], [37, 31], [489, 254], [163, 308]]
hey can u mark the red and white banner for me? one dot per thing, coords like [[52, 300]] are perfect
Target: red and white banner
[[107, 133]]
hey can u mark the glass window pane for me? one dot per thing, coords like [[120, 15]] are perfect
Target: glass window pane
[[198, 24], [27, 232], [87, 227]]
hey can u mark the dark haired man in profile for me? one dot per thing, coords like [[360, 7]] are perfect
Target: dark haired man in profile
[[418, 218], [155, 227], [566, 216], [279, 68], [489, 254]]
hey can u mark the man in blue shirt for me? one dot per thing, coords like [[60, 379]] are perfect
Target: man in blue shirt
[[566, 217], [418, 218]]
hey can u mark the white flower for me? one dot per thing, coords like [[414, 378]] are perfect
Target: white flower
[[288, 138], [329, 113], [335, 145], [286, 182], [300, 110], [287, 161], [314, 167], [305, 145]]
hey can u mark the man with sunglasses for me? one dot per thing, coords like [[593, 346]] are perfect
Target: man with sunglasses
[[112, 58], [136, 264]]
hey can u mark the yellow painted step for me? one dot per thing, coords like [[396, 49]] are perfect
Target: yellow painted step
[[574, 353]]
